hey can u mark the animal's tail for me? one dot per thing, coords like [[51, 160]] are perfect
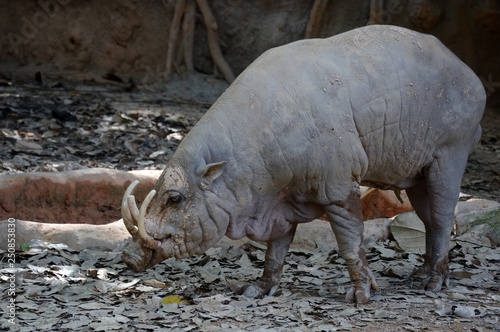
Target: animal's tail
[[476, 137]]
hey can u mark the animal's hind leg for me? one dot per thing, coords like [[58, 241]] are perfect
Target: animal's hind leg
[[419, 199], [434, 201]]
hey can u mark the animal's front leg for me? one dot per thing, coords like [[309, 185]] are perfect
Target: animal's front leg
[[275, 258], [347, 224]]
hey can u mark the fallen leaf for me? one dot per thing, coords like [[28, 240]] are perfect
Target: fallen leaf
[[173, 299], [155, 283], [409, 231], [124, 285]]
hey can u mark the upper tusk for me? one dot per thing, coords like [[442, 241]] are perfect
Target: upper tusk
[[147, 240]]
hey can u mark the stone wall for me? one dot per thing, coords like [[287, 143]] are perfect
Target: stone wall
[[128, 38]]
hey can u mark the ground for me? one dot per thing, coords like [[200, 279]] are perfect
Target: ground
[[58, 289], [57, 126]]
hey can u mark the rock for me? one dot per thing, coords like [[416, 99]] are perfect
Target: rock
[[67, 207], [478, 220], [376, 230], [383, 204], [91, 196], [471, 207], [75, 196], [75, 236]]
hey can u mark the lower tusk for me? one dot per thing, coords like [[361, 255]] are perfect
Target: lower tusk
[[147, 240]]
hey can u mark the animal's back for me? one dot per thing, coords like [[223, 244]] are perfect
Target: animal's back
[[374, 103], [383, 97]]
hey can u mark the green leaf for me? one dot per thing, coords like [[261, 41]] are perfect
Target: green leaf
[[25, 246]]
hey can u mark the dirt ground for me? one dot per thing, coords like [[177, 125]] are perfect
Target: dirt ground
[[58, 126], [59, 289]]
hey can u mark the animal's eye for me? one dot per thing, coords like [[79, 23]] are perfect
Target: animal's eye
[[175, 198]]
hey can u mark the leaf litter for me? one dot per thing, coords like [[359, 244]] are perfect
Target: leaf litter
[[59, 289], [69, 128]]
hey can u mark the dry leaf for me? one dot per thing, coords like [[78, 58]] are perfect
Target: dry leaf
[[409, 231]]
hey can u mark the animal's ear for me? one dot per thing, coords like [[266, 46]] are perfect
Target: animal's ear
[[209, 173]]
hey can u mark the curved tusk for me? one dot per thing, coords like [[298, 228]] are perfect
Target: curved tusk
[[132, 208], [128, 219], [148, 241]]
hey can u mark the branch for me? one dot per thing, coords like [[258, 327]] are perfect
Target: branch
[[376, 12], [213, 42], [174, 35], [188, 34], [316, 18]]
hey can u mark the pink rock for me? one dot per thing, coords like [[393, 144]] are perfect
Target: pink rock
[[384, 204], [91, 196]]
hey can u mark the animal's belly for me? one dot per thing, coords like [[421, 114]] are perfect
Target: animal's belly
[[398, 162], [391, 185]]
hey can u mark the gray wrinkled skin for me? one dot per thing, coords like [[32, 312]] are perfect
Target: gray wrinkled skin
[[301, 129]]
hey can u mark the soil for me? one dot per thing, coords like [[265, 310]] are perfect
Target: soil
[[129, 39]]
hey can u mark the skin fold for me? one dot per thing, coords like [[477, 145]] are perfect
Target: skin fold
[[296, 135]]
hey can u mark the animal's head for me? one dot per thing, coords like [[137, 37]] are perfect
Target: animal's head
[[185, 218]]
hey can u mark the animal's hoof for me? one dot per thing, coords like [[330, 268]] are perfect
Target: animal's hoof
[[420, 272], [435, 282], [358, 295], [360, 290]]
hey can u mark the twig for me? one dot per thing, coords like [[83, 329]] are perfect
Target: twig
[[213, 42], [316, 18], [376, 12], [174, 35], [188, 34]]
